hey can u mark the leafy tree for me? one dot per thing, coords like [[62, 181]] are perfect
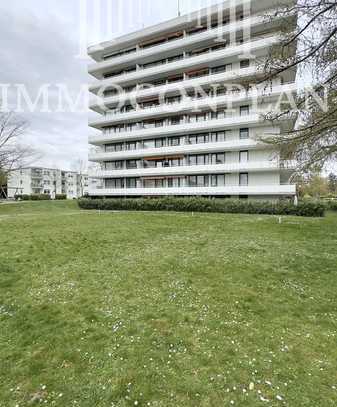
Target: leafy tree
[[313, 185], [314, 140], [332, 183]]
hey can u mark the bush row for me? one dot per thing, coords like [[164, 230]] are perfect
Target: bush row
[[60, 197], [33, 197], [313, 209]]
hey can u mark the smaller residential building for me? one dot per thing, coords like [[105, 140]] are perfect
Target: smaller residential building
[[39, 180]]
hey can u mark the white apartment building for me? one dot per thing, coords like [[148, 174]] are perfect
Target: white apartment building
[[177, 114], [38, 180]]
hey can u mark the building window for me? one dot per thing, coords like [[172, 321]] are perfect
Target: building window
[[217, 180], [220, 158], [114, 183], [131, 164], [160, 142], [219, 136], [174, 141], [198, 139], [131, 145], [174, 182], [201, 159], [159, 183], [114, 165], [244, 63], [244, 110], [221, 114], [244, 134], [131, 183], [198, 180], [244, 156], [113, 147], [243, 179], [176, 120], [149, 144]]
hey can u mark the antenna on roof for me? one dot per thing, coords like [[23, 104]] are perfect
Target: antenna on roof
[[179, 13]]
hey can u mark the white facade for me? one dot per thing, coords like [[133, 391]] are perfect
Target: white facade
[[177, 114], [38, 180]]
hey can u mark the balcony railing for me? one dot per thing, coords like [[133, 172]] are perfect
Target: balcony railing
[[255, 41], [174, 37], [155, 84], [185, 163]]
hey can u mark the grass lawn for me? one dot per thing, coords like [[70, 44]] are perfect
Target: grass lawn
[[165, 309]]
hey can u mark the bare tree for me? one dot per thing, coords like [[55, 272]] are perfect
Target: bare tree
[[13, 153], [310, 48], [81, 167]]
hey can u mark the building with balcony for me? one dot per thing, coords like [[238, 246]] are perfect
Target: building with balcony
[[176, 112], [38, 180]]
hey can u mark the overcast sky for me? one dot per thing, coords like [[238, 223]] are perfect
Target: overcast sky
[[40, 43]]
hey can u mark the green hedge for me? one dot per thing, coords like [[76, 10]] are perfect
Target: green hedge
[[60, 197], [331, 205], [33, 197], [206, 205]]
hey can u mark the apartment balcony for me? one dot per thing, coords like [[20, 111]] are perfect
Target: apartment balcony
[[230, 190], [235, 167], [211, 34], [233, 76], [250, 120], [183, 149], [257, 47], [188, 105]]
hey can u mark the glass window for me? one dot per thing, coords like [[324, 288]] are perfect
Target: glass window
[[131, 145], [114, 165], [149, 183], [176, 162], [159, 142], [243, 179], [131, 164], [198, 180], [149, 144], [219, 136], [221, 114], [174, 141], [220, 158], [244, 63], [202, 138], [217, 180], [244, 134], [131, 182], [219, 69], [243, 156], [244, 110], [114, 147], [114, 183], [174, 182], [176, 120], [159, 183], [192, 160], [202, 159], [201, 117]]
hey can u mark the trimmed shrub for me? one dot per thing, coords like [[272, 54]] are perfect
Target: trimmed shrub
[[60, 197], [312, 209], [23, 197], [34, 197], [40, 197]]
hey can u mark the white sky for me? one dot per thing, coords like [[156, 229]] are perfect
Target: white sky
[[39, 44]]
